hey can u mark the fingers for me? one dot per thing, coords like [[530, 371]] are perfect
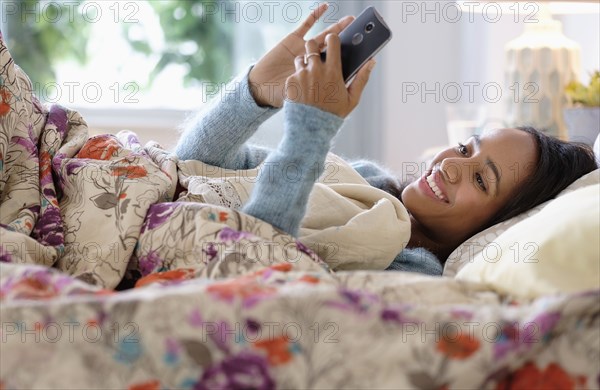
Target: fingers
[[335, 29], [311, 20], [355, 90], [299, 63], [334, 51], [312, 47]]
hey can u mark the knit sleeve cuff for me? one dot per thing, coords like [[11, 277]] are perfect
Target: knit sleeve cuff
[[237, 94], [302, 118]]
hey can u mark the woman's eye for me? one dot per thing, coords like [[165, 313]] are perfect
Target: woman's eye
[[462, 149], [480, 182]]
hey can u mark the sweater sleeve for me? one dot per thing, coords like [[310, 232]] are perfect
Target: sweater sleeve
[[217, 135], [417, 260], [288, 174], [378, 177], [367, 168]]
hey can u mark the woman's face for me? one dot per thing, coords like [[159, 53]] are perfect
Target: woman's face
[[467, 184]]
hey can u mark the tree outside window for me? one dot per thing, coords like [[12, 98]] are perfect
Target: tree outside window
[[186, 35]]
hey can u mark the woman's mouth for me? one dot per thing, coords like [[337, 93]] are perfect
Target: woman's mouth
[[431, 186]]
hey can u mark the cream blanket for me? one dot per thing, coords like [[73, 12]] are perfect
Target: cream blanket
[[350, 224]]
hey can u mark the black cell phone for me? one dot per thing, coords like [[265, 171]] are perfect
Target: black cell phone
[[361, 40]]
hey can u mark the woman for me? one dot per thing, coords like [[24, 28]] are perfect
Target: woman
[[468, 188]]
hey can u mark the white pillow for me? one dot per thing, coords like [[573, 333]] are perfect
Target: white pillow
[[555, 251], [467, 252]]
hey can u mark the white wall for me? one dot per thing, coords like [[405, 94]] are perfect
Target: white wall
[[585, 30], [418, 53]]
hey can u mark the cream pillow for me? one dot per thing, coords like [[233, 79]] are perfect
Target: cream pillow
[[467, 252], [555, 251]]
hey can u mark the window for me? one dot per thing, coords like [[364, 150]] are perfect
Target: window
[[144, 65], [114, 53]]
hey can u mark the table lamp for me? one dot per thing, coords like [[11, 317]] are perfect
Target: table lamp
[[540, 63]]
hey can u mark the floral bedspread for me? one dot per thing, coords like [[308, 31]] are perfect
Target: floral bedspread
[[279, 328], [105, 282]]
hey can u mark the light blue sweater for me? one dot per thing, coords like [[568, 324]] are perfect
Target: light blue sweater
[[218, 136]]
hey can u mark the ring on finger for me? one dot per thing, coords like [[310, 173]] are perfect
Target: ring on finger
[[308, 55]]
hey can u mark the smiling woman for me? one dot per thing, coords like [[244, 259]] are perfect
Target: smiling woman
[[471, 183], [489, 180], [467, 188]]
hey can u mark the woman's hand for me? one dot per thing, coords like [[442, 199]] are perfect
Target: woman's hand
[[321, 84], [267, 78]]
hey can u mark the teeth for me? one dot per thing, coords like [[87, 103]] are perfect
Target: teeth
[[434, 187]]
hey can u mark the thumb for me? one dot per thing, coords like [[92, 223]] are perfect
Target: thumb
[[360, 81]]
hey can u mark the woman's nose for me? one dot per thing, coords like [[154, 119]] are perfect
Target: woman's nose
[[452, 170]]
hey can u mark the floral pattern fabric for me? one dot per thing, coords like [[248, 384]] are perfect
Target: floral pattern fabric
[[281, 328], [98, 208], [215, 299]]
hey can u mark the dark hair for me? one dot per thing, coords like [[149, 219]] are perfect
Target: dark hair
[[558, 165]]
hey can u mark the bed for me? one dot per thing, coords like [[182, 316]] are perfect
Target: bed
[[106, 283]]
